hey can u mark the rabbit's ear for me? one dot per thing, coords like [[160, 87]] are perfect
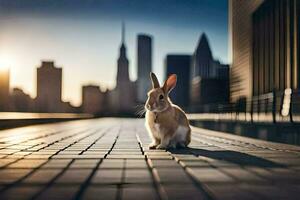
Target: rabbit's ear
[[155, 83], [170, 83]]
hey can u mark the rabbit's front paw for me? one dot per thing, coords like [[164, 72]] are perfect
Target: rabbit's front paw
[[161, 146], [153, 146]]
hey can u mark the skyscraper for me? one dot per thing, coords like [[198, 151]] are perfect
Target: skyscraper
[[124, 94], [202, 59], [240, 33], [123, 70], [49, 87], [4, 89], [144, 60], [21, 101], [209, 78], [180, 65], [92, 99]]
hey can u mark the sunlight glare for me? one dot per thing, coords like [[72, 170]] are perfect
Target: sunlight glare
[[5, 62]]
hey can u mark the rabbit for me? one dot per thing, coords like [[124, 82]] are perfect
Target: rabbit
[[165, 122]]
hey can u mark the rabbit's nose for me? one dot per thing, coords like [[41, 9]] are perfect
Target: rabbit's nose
[[148, 106]]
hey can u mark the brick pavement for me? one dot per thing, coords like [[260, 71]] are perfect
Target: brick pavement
[[109, 159]]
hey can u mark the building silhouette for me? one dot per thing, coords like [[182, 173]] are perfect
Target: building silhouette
[[123, 63], [21, 102], [144, 61], [209, 84], [4, 90], [180, 65], [240, 32], [202, 59], [92, 99], [122, 99], [49, 88]]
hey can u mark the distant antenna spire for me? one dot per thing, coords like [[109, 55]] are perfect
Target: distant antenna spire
[[123, 32]]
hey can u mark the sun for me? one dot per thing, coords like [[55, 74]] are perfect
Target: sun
[[3, 68], [5, 62]]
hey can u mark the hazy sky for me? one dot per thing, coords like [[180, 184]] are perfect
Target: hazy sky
[[83, 36]]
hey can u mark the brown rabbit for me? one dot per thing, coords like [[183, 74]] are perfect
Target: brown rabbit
[[166, 123]]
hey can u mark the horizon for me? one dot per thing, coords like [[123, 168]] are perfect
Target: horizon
[[90, 39]]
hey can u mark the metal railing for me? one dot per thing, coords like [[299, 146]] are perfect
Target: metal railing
[[274, 107]]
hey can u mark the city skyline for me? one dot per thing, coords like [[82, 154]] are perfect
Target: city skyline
[[95, 50]]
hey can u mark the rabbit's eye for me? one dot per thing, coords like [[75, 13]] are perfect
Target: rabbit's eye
[[161, 97]]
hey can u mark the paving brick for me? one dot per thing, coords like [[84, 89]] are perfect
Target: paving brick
[[14, 156], [34, 156], [112, 163], [102, 153], [195, 163], [138, 176], [111, 176], [100, 192], [227, 191], [121, 152], [12, 175], [126, 156], [272, 191], [209, 175], [279, 175], [171, 175], [69, 152], [20, 192], [162, 157], [27, 163], [74, 176], [58, 192], [242, 175], [137, 192], [164, 163], [84, 163], [4, 161], [78, 156], [42, 176], [185, 157], [57, 163], [184, 191], [135, 163]]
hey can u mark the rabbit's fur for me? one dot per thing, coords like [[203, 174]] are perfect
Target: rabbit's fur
[[166, 123]]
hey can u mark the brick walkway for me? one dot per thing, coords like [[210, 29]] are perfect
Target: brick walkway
[[108, 159]]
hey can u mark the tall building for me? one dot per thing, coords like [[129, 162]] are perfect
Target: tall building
[[240, 33], [4, 90], [209, 84], [180, 65], [123, 69], [144, 60], [124, 94], [92, 99], [275, 30], [21, 101], [202, 59], [49, 87], [265, 40]]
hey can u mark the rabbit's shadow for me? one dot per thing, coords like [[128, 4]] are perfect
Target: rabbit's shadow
[[234, 157]]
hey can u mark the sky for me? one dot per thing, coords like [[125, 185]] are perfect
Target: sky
[[83, 37]]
